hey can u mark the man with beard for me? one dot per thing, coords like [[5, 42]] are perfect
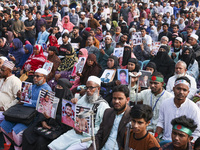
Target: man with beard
[[175, 107], [180, 70], [76, 38], [113, 126], [154, 97], [91, 48], [181, 134], [15, 130], [92, 100], [105, 52]]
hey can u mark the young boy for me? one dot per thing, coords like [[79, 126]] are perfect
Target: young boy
[[140, 139], [65, 48]]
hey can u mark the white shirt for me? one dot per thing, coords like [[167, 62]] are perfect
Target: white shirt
[[111, 143], [8, 91], [169, 111], [107, 12], [150, 99], [65, 2], [85, 21], [168, 9], [148, 40], [193, 87]]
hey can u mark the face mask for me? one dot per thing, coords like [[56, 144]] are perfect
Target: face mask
[[59, 93]]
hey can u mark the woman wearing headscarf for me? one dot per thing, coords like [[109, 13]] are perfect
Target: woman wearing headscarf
[[82, 53], [16, 51], [28, 51], [67, 24], [36, 141], [164, 63], [65, 68], [154, 34], [52, 57], [4, 47], [106, 88], [181, 24], [126, 56], [151, 67], [133, 65], [56, 23], [192, 65], [99, 34], [53, 42], [36, 59]]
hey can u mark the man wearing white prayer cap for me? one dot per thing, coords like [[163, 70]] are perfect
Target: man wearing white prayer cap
[[2, 59], [92, 100], [195, 46], [9, 86]]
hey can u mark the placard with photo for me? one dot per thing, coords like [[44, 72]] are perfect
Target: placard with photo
[[80, 64], [68, 113], [82, 124], [48, 66], [122, 75], [144, 78], [45, 103], [108, 75], [26, 92], [118, 52], [137, 38]]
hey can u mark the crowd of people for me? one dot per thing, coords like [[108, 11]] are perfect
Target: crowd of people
[[79, 39]]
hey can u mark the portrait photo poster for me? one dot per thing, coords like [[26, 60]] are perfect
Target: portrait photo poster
[[108, 75], [122, 75]]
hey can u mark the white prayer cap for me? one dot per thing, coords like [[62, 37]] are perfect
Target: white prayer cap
[[172, 3], [131, 30], [4, 58], [73, 8], [82, 13], [26, 5], [95, 80], [78, 7], [196, 37], [155, 2], [151, 3], [179, 39], [9, 64], [108, 36], [140, 4], [42, 71]]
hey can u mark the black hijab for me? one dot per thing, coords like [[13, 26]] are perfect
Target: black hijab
[[135, 61], [188, 59], [126, 55], [116, 62], [62, 93]]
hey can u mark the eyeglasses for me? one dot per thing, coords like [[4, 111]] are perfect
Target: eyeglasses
[[90, 87], [37, 76]]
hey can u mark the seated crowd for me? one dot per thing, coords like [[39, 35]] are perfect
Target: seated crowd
[[132, 66]]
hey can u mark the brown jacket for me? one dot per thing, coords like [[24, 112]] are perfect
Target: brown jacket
[[93, 23], [106, 127]]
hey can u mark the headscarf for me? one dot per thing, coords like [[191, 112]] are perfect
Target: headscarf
[[35, 61], [84, 52], [69, 26], [151, 65], [54, 49], [126, 55], [4, 41], [68, 62], [135, 61], [188, 59], [53, 42], [115, 24], [54, 22], [116, 62], [99, 37], [18, 52], [25, 57], [95, 69], [154, 33], [62, 93], [182, 25]]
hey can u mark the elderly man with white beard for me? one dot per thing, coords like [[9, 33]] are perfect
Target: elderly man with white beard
[[71, 140], [180, 70]]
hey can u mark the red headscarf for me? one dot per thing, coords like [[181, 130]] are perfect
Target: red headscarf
[[35, 61], [53, 42], [69, 26]]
